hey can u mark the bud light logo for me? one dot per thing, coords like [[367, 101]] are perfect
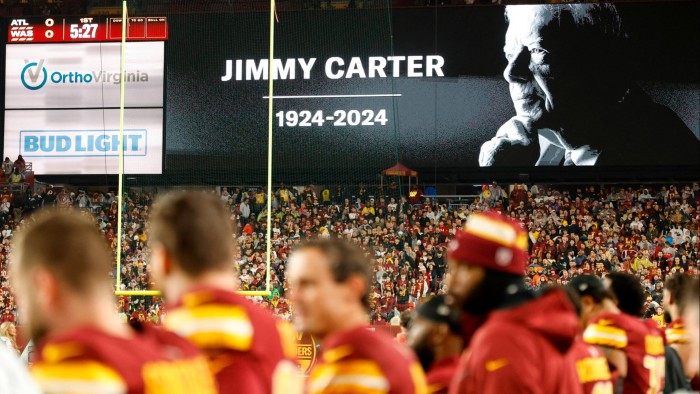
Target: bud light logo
[[82, 143], [34, 75]]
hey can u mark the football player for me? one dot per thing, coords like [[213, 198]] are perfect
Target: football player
[[591, 365], [329, 282], [435, 335], [192, 262], [523, 343], [634, 350], [61, 265], [677, 336], [691, 318]]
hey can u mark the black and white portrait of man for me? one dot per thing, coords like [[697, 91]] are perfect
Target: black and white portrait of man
[[575, 100]]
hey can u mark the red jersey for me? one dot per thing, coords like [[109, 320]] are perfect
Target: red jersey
[[440, 375], [362, 361], [139, 316], [8, 317], [653, 326], [88, 360], [520, 350], [643, 345], [591, 367], [248, 348]]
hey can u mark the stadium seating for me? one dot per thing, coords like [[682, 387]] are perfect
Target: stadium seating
[[650, 230]]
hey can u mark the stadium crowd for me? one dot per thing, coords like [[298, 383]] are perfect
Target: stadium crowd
[[651, 231]]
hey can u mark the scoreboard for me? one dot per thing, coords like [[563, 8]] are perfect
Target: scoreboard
[[85, 29], [63, 89]]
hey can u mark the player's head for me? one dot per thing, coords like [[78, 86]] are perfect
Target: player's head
[[190, 236], [691, 318], [593, 294], [628, 292], [405, 321], [329, 283], [487, 259], [571, 293], [60, 261], [675, 288], [434, 325]]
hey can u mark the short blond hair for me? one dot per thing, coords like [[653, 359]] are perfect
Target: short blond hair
[[68, 245]]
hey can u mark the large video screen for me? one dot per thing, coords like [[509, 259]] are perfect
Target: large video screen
[[62, 104], [447, 87], [453, 90]]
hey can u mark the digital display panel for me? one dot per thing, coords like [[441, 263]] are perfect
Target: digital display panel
[[62, 107], [444, 88], [86, 141], [85, 29]]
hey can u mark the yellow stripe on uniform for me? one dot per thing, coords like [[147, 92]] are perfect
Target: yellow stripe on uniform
[[677, 336], [435, 388], [596, 334], [287, 338], [56, 352], [352, 376], [213, 326], [495, 231], [78, 377], [592, 369], [194, 299], [335, 354], [420, 385]]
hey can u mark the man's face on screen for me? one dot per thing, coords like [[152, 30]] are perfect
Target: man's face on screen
[[529, 50]]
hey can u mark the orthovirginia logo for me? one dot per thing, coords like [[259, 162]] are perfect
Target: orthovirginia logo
[[34, 76], [35, 73]]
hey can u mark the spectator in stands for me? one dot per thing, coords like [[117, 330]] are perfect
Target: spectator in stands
[[669, 250], [16, 177], [20, 165], [7, 167], [284, 195], [245, 210], [49, 196], [83, 200], [260, 199], [408, 241], [8, 336], [574, 98], [641, 261], [6, 231], [225, 195]]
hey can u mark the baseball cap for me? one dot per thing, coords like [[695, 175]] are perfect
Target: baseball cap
[[437, 310], [492, 241], [587, 285]]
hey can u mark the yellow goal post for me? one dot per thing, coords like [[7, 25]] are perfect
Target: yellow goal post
[[120, 186]]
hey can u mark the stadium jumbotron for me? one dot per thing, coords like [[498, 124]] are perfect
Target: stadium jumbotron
[[349, 196]]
